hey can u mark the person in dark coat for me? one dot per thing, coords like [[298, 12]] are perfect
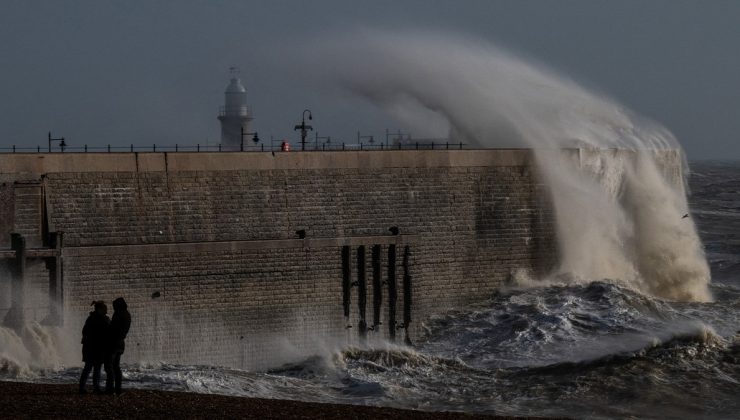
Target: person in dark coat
[[116, 344], [94, 335]]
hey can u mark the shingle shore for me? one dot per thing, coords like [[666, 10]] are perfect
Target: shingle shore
[[33, 400]]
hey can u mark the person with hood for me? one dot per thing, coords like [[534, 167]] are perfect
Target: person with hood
[[116, 344], [93, 345]]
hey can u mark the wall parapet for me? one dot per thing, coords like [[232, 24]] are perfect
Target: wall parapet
[[43, 163]]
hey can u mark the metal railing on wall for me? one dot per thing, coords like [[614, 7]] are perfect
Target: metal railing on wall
[[273, 147], [419, 145]]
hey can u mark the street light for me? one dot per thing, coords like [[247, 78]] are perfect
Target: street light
[[303, 127], [255, 139], [62, 144]]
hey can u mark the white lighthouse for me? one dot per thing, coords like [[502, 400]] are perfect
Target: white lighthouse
[[235, 115]]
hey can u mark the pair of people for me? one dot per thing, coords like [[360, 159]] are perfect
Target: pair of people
[[103, 343]]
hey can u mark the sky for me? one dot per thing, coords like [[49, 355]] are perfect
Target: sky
[[143, 72]]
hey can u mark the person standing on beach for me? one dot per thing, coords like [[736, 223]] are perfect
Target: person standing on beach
[[93, 346], [116, 344]]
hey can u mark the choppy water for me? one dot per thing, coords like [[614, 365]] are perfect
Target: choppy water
[[592, 350]]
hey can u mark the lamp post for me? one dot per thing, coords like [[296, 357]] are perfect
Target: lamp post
[[303, 127], [62, 144], [255, 139]]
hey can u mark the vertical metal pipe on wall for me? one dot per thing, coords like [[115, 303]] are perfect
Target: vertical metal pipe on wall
[[361, 289], [406, 294], [377, 286], [392, 294], [15, 317], [346, 280]]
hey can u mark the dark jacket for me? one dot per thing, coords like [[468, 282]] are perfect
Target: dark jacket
[[93, 337], [119, 326]]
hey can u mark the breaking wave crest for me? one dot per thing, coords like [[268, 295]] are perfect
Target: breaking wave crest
[[618, 192]]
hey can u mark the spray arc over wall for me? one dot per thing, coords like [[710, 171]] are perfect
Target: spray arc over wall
[[619, 213]]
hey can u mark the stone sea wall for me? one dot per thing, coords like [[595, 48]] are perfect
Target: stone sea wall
[[249, 259]]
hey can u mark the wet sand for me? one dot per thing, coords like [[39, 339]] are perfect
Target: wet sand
[[31, 400]]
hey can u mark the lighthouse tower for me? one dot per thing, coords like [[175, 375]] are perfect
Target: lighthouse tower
[[235, 115]]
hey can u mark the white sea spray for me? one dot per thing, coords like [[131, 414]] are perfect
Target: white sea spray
[[619, 213]]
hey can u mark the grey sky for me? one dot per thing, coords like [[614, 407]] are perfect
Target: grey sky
[[145, 72]]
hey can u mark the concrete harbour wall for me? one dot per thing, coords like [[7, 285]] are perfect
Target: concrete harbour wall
[[204, 246]]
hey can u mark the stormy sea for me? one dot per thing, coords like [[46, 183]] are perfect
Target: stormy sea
[[595, 349]]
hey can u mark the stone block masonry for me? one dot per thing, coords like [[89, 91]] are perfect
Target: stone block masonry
[[204, 246]]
